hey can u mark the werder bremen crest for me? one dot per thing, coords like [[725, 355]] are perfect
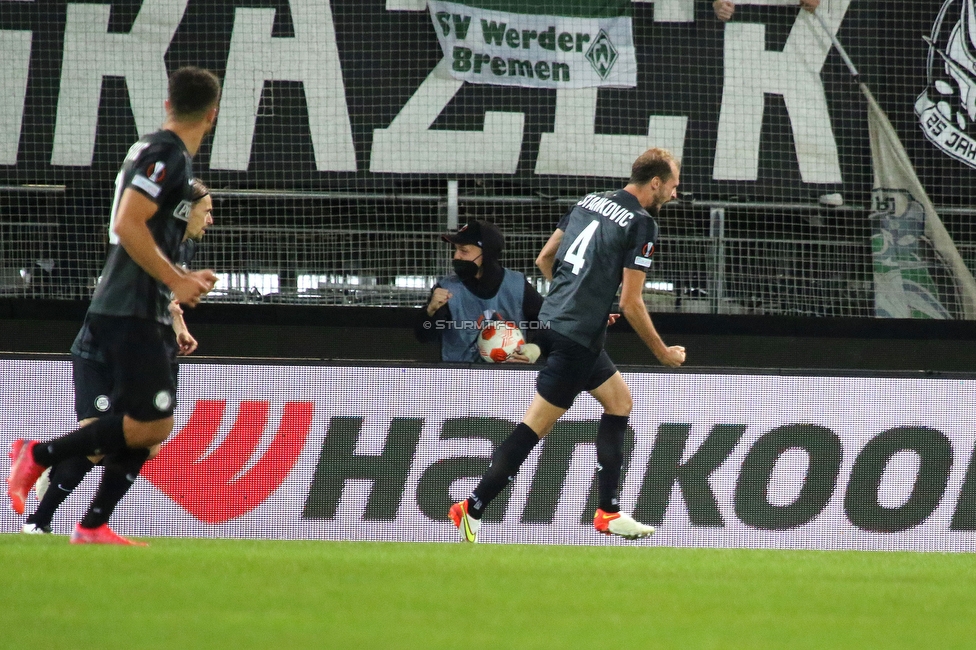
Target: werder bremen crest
[[602, 54], [947, 108]]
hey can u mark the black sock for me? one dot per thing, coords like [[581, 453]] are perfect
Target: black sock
[[65, 477], [505, 463], [103, 436], [121, 470], [610, 459]]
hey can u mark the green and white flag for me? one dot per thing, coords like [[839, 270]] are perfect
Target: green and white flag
[[904, 221], [553, 44]]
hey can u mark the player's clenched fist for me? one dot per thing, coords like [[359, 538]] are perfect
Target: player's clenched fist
[[673, 356], [438, 299], [192, 286], [187, 344]]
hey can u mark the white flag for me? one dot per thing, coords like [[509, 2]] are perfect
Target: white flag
[[905, 222], [567, 44]]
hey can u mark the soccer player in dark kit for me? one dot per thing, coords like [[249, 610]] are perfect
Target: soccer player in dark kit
[[605, 240], [93, 381], [129, 315]]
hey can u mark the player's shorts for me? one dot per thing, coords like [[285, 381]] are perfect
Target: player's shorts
[[139, 354], [93, 387], [570, 369]]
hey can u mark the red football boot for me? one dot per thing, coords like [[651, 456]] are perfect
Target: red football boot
[[101, 535], [24, 472]]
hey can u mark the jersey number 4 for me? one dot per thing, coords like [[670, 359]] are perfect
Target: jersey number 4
[[577, 249]]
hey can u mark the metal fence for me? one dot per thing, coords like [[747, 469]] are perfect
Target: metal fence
[[385, 249]]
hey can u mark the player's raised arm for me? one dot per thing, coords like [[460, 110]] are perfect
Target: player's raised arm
[[547, 256], [635, 311], [130, 226]]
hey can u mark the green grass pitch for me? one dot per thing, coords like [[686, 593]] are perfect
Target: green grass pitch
[[195, 593]]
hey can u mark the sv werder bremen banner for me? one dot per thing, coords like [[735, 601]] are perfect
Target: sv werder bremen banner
[[554, 44]]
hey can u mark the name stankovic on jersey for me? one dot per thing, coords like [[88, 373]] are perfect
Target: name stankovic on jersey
[[608, 208]]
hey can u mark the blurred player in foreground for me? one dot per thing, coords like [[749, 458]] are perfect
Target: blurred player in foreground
[[129, 315], [606, 239], [93, 379]]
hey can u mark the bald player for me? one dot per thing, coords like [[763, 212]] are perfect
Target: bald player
[[605, 241]]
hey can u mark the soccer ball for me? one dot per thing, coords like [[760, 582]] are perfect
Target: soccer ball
[[497, 340]]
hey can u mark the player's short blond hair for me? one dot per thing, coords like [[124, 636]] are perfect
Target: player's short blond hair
[[653, 163]]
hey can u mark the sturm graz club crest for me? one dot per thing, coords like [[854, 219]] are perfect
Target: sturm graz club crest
[[947, 108]]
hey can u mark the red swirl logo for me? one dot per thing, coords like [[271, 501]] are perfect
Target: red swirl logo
[[213, 487]]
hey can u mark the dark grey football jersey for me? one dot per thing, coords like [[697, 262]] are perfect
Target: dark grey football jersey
[[85, 345], [602, 235], [158, 166]]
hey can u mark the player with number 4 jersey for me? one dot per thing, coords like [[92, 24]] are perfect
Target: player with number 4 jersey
[[602, 235], [604, 243]]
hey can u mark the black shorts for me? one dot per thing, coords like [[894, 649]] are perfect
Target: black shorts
[[139, 354], [570, 369], [93, 388]]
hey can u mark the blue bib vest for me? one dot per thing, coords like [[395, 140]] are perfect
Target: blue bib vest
[[458, 343]]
